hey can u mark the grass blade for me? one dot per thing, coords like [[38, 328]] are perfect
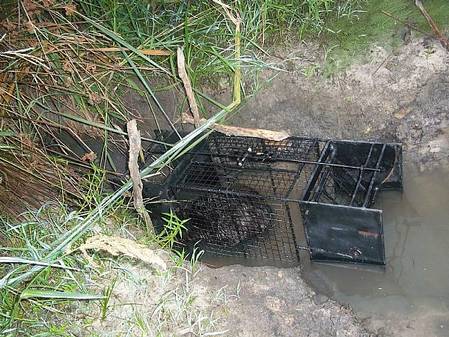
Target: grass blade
[[60, 295], [19, 260]]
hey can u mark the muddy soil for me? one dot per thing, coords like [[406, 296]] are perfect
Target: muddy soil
[[399, 95], [232, 301], [391, 96], [276, 302]]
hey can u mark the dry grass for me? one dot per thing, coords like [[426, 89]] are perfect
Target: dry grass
[[58, 75], [29, 178]]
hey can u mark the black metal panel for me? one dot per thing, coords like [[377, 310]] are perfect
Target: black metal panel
[[345, 234]]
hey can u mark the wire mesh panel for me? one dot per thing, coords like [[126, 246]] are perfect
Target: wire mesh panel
[[236, 203], [247, 197], [255, 152], [230, 224], [269, 182]]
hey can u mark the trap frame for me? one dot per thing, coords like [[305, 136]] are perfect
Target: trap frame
[[266, 200]]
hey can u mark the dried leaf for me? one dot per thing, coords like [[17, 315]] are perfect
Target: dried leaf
[[89, 157], [70, 9], [94, 99], [30, 27], [117, 246]]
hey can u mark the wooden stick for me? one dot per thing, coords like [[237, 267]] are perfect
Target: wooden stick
[[440, 36], [228, 130], [408, 24], [135, 147], [187, 86]]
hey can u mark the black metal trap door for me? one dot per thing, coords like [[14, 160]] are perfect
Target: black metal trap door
[[344, 234]]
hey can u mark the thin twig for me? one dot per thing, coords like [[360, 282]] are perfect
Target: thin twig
[[408, 24], [381, 64], [439, 35], [187, 86]]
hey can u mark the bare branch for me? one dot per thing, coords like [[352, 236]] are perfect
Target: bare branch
[[246, 132], [135, 147]]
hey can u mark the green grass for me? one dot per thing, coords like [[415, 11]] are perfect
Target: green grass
[[75, 86], [205, 33], [350, 39], [126, 296], [36, 296], [69, 295], [27, 309]]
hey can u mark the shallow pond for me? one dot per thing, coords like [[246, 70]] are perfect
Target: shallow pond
[[414, 285]]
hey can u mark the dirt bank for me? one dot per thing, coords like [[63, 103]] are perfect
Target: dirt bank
[[392, 96], [233, 301], [399, 95]]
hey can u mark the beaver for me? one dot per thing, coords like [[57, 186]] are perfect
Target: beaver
[[226, 221]]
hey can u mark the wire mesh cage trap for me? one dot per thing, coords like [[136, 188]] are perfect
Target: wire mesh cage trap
[[265, 200]]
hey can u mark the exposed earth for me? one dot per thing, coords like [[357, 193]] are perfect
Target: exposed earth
[[277, 302], [392, 95], [400, 95]]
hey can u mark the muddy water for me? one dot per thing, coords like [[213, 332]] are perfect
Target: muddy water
[[412, 293]]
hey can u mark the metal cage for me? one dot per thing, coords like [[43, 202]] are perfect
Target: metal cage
[[251, 198]]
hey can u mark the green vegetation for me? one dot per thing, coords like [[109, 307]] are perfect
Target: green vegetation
[[350, 39], [27, 309], [66, 81], [73, 296]]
